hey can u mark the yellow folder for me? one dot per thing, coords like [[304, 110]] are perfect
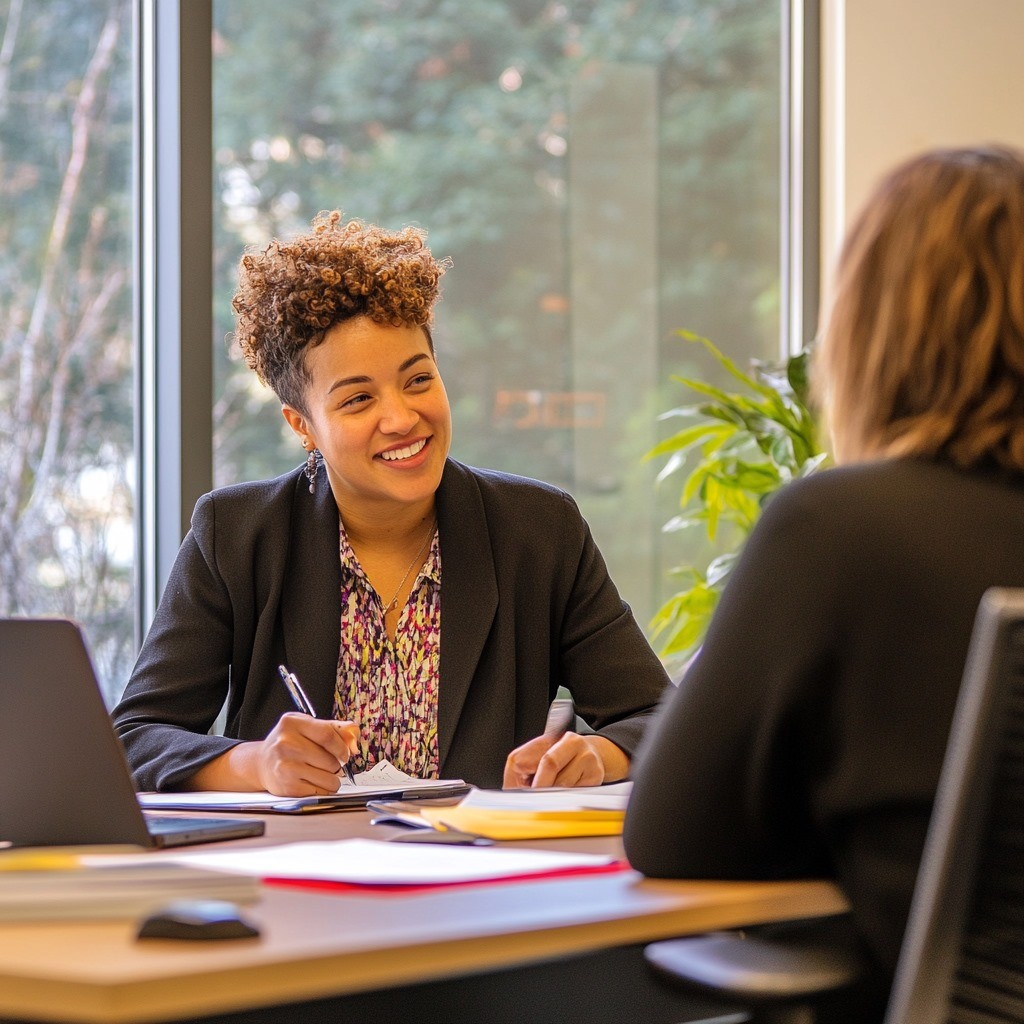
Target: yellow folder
[[503, 824]]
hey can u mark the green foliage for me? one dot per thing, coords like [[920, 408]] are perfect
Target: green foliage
[[736, 449]]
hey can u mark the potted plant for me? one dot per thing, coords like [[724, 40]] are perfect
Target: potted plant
[[735, 450]]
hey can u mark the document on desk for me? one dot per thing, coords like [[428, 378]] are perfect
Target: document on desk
[[520, 813], [382, 781], [374, 863], [532, 814], [612, 797]]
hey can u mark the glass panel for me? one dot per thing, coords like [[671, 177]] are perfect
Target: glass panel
[[602, 173], [66, 352]]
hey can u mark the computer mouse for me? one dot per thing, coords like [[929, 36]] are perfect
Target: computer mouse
[[197, 919]]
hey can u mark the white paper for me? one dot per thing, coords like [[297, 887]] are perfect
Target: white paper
[[583, 798], [368, 861], [381, 774], [208, 798], [383, 778]]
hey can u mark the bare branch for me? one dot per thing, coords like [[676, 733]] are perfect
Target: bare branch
[[26, 398], [56, 428], [7, 52]]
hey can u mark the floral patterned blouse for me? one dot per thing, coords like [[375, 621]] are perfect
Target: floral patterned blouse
[[389, 689]]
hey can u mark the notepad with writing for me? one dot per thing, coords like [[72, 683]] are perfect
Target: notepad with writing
[[381, 782]]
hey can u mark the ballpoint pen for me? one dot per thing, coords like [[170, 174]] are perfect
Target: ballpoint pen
[[561, 715], [302, 702]]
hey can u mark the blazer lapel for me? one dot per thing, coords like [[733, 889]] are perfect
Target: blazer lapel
[[311, 602], [469, 594]]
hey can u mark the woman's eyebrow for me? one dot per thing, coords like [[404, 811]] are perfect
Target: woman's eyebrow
[[345, 381], [364, 379], [412, 360]]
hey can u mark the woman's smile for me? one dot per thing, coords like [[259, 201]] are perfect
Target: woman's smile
[[404, 454]]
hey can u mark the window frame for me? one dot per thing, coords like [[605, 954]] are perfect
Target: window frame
[[174, 282]]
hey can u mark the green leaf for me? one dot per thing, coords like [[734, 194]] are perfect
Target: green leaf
[[727, 364], [741, 448], [720, 567], [684, 619], [685, 439]]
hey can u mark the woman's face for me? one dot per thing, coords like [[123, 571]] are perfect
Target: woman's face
[[378, 412]]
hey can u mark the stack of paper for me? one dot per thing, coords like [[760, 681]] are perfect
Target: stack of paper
[[524, 813], [532, 814], [45, 885]]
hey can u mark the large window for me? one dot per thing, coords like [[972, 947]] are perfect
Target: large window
[[66, 352], [602, 173]]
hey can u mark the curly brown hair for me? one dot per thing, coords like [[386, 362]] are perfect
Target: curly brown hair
[[923, 352], [291, 293]]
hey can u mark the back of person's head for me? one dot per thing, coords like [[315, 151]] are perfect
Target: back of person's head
[[923, 350], [291, 293]]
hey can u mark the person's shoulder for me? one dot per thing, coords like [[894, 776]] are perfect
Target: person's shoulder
[[835, 501], [845, 505], [862, 481], [881, 483], [250, 496], [498, 487]]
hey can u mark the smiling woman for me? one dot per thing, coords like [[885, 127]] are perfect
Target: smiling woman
[[336, 569], [601, 173]]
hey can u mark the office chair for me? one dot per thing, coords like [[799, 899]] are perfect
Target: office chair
[[962, 958]]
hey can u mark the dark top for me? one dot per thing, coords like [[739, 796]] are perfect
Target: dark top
[[807, 737], [526, 606]]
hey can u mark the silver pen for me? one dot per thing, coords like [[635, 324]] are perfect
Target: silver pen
[[561, 715], [302, 702]]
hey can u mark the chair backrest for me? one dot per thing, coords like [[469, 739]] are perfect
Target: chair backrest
[[962, 958]]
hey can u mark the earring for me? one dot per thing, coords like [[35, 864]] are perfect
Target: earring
[[311, 467]]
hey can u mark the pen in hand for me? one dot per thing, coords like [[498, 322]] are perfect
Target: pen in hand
[[301, 701]]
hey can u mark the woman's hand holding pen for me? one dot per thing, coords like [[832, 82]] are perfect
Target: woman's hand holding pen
[[566, 760], [301, 756], [305, 756]]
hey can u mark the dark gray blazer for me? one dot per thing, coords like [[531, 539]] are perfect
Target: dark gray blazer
[[526, 606]]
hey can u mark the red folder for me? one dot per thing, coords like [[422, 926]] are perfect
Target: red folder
[[376, 888]]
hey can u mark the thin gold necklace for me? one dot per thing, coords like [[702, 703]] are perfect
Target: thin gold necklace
[[417, 560]]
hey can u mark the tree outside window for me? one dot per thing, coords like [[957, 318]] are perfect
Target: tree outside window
[[66, 354]]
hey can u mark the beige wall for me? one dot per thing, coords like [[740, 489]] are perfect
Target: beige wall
[[904, 75]]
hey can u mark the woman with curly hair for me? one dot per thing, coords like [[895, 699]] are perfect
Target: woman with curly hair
[[430, 610], [808, 736]]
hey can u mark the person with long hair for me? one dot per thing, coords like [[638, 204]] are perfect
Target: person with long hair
[[808, 735]]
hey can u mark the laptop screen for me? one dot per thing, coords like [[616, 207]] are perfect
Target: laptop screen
[[63, 775]]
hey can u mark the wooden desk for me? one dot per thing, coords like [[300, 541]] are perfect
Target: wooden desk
[[319, 951]]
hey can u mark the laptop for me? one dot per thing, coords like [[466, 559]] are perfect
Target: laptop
[[64, 780]]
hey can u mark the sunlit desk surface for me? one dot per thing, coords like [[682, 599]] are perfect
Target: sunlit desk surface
[[318, 946]]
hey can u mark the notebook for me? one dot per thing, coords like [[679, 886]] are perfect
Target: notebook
[[64, 780]]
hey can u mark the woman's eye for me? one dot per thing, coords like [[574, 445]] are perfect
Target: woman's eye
[[421, 378], [354, 400]]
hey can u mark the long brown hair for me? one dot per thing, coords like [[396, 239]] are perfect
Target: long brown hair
[[923, 350]]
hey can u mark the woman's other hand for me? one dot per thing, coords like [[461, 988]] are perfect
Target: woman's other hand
[[569, 760]]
